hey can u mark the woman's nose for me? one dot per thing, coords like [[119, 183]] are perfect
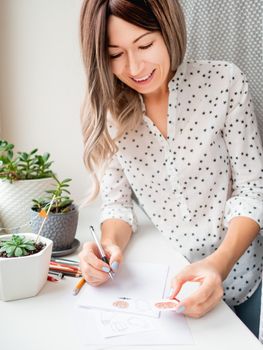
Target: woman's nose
[[133, 65]]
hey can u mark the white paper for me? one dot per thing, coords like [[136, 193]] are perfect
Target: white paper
[[138, 306], [115, 324], [169, 329], [134, 281]]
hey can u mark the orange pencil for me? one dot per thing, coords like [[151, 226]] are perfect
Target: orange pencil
[[78, 286]]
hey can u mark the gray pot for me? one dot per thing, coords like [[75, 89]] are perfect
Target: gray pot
[[60, 228]]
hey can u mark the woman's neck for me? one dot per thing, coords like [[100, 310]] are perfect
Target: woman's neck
[[156, 97]]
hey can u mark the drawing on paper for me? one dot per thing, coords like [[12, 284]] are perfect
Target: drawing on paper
[[121, 304], [115, 324], [136, 305], [165, 305]]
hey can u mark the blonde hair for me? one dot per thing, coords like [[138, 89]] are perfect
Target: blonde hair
[[104, 92]]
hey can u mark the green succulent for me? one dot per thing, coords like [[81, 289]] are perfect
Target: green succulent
[[62, 203], [22, 165], [17, 246]]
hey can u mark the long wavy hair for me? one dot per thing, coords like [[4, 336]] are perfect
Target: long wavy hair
[[104, 92]]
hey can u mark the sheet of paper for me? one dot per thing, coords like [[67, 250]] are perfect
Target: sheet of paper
[[169, 329], [134, 281], [115, 324]]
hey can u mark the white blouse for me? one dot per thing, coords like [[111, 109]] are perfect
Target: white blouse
[[207, 171]]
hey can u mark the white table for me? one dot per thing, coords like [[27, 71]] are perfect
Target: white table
[[46, 322]]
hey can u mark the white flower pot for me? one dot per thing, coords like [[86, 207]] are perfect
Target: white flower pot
[[24, 277], [16, 201]]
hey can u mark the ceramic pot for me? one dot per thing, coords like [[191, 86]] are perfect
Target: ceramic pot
[[16, 201], [23, 277], [60, 228]]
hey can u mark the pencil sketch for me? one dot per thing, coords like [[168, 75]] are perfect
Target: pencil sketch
[[135, 305], [116, 324]]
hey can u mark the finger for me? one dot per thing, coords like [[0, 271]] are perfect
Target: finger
[[202, 294], [203, 308], [200, 301], [90, 255], [92, 275], [90, 272], [177, 282], [115, 256], [94, 283]]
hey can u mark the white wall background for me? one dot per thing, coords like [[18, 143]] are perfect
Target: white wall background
[[42, 83]]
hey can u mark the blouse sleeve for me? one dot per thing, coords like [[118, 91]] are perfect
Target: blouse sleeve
[[245, 153], [116, 195]]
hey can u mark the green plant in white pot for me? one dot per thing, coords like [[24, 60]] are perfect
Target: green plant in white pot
[[62, 220], [23, 176], [24, 265]]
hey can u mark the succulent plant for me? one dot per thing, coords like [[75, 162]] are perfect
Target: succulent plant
[[23, 166], [17, 246], [61, 204]]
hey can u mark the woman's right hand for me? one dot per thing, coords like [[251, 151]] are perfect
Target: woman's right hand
[[94, 270]]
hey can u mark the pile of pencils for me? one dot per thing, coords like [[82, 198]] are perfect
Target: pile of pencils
[[58, 268]]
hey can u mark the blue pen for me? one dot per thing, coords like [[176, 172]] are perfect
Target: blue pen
[[102, 253]]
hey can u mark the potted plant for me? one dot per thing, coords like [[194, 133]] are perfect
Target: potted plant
[[24, 265], [62, 219], [23, 176]]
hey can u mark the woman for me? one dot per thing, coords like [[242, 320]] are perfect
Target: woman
[[182, 136]]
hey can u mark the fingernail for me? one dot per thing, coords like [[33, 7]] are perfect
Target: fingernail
[[115, 265], [105, 269], [171, 292], [180, 309]]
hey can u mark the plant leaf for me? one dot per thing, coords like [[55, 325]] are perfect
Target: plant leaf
[[18, 251], [30, 247]]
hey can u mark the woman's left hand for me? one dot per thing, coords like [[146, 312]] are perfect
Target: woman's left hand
[[209, 293]]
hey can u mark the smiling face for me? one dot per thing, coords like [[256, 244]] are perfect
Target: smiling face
[[138, 57]]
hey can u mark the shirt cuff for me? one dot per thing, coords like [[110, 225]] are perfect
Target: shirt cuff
[[119, 212], [244, 206]]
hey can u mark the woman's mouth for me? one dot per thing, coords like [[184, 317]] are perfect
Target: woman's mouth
[[145, 79]]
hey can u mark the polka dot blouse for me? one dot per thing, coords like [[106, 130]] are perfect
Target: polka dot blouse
[[208, 170]]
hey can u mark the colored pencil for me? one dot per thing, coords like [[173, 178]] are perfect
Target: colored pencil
[[56, 273], [73, 268], [71, 274], [53, 279], [66, 262], [78, 286]]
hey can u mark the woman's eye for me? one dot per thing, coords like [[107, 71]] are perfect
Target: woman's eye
[[113, 56], [116, 55], [146, 46]]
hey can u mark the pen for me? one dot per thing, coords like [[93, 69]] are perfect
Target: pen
[[81, 282], [103, 255]]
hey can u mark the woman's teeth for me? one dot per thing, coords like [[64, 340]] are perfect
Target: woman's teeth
[[144, 78]]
